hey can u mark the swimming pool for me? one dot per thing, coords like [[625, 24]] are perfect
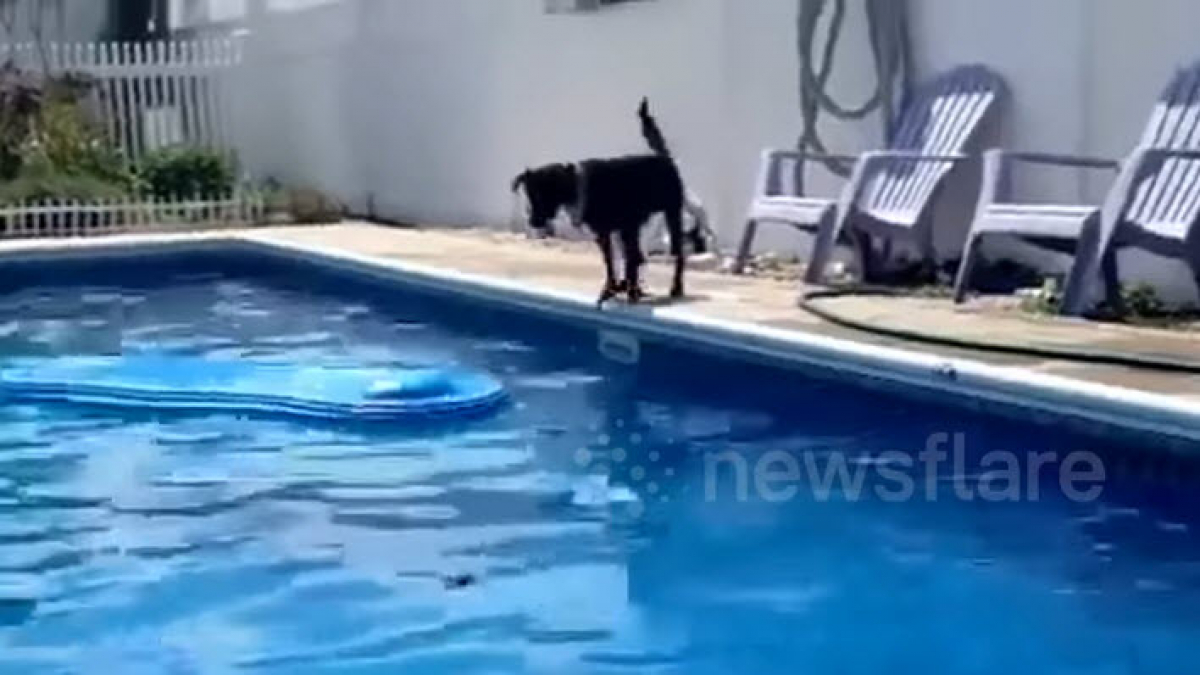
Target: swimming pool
[[585, 529]]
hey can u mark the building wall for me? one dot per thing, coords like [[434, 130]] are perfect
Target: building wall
[[425, 109], [1085, 74], [63, 20], [442, 103]]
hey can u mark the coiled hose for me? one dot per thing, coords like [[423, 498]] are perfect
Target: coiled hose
[[888, 31], [809, 300]]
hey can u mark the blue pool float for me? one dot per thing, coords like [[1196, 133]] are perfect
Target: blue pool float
[[190, 384]]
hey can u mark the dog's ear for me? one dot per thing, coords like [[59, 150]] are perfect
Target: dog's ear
[[520, 180], [644, 108]]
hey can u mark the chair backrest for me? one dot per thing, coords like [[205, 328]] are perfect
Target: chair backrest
[[939, 118], [1166, 199]]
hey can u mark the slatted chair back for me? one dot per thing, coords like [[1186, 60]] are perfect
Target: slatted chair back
[[941, 118], [1166, 199]]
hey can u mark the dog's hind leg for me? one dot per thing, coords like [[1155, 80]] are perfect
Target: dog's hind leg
[[632, 252], [611, 287], [678, 250]]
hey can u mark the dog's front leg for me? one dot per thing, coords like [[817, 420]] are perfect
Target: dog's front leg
[[678, 251], [631, 248], [611, 287]]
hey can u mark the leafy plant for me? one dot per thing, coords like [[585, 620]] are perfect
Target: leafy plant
[[1141, 301], [63, 140], [37, 185], [21, 96], [182, 172], [1139, 305], [50, 148]]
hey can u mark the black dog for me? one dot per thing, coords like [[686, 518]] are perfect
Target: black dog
[[617, 196]]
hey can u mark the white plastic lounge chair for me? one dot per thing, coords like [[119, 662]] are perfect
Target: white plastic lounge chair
[[890, 192], [1153, 204]]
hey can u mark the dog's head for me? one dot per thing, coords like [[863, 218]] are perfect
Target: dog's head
[[549, 189]]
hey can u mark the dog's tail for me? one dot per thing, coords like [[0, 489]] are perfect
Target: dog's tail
[[700, 236], [650, 129], [519, 181]]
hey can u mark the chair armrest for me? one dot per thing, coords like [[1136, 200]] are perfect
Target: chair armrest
[[874, 156], [998, 166], [776, 155], [1055, 159], [1169, 153], [771, 158]]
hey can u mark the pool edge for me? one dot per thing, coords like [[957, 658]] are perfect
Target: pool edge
[[1035, 396], [952, 377]]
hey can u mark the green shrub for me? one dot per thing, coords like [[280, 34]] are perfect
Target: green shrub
[[1141, 301], [21, 99], [1139, 304], [64, 141], [50, 147], [35, 186], [187, 173], [64, 158]]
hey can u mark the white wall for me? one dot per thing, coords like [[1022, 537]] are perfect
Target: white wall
[[430, 106], [1084, 75], [433, 106], [61, 20]]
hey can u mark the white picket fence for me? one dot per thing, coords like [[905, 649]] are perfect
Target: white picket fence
[[146, 96], [149, 95], [79, 219]]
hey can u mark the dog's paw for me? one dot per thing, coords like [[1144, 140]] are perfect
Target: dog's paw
[[677, 293], [610, 291], [635, 294]]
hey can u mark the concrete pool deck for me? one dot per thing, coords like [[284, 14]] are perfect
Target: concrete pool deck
[[772, 302], [769, 303]]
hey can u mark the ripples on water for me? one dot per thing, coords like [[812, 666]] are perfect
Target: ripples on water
[[218, 544]]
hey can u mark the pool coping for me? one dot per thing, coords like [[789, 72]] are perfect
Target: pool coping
[[1040, 397]]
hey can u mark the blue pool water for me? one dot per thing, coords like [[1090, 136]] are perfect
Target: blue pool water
[[579, 531]]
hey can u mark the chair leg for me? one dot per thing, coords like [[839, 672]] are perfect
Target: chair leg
[[827, 237], [970, 256], [1112, 280], [1196, 275], [746, 247], [928, 254], [863, 246], [1088, 257], [877, 258]]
